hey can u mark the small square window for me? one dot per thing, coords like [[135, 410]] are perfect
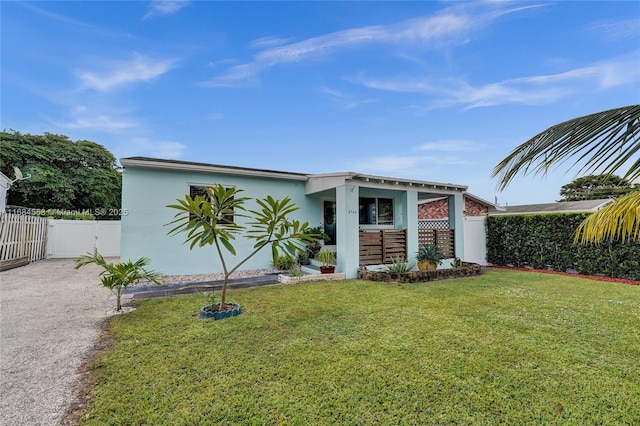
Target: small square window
[[201, 190]]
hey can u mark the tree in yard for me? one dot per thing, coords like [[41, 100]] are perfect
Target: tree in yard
[[604, 142], [117, 277], [80, 175], [595, 187], [211, 220]]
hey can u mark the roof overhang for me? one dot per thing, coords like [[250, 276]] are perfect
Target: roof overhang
[[319, 183], [155, 163]]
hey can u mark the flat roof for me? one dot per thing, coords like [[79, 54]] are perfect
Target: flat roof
[[320, 180]]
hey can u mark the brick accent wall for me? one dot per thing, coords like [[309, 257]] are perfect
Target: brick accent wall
[[439, 209]]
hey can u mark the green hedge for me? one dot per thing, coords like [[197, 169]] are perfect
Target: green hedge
[[546, 241]]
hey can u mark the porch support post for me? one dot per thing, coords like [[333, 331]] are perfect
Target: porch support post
[[347, 230], [456, 222], [410, 207]]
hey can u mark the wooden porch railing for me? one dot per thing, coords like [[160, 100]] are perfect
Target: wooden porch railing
[[378, 246], [443, 238]]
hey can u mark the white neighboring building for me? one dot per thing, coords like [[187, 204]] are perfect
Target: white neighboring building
[[5, 183]]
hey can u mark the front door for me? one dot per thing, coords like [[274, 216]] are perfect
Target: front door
[[329, 216]]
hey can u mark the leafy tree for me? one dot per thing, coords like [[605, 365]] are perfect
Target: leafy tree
[[595, 187], [606, 141], [117, 277], [80, 175], [210, 220]]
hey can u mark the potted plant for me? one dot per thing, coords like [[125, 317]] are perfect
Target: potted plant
[[314, 245], [328, 259], [303, 257], [429, 256]]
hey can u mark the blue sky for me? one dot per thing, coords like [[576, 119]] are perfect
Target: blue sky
[[436, 91]]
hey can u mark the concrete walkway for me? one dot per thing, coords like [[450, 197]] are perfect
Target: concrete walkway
[[50, 317]]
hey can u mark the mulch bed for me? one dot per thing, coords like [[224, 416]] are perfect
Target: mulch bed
[[589, 277]]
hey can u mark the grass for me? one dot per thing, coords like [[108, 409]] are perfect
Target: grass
[[506, 347]]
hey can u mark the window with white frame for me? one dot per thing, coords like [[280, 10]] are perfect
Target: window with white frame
[[376, 211]]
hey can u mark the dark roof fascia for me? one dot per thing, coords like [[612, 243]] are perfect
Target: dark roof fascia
[[157, 163]]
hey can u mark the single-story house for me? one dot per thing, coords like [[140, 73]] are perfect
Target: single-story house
[[584, 206], [369, 218]]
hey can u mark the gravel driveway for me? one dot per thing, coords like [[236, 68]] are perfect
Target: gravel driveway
[[50, 317]]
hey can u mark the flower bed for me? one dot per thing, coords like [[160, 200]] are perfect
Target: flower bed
[[466, 270]]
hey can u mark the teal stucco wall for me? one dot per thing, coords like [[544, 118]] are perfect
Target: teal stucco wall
[[147, 191]]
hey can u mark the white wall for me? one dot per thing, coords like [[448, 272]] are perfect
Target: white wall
[[73, 238]]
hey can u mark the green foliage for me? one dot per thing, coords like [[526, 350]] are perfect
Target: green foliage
[[327, 257], [80, 175], [400, 264], [295, 270], [207, 221], [117, 277], [284, 262], [595, 187], [504, 348], [431, 253], [547, 241]]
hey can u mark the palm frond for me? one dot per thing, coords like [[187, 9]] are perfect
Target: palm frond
[[603, 142], [620, 220]]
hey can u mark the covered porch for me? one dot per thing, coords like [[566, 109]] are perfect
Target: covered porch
[[375, 218]]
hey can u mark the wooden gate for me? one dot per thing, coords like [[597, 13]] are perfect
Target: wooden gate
[[22, 238]]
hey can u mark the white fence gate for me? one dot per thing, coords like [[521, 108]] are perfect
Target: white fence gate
[[22, 237], [73, 238], [475, 239]]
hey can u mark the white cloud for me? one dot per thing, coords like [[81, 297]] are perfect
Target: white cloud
[[165, 7], [531, 90], [267, 42], [123, 72], [405, 165], [346, 101], [237, 76], [450, 26], [214, 116], [83, 117], [450, 145], [616, 30], [144, 146]]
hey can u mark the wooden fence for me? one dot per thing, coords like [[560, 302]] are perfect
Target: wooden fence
[[22, 237], [378, 246]]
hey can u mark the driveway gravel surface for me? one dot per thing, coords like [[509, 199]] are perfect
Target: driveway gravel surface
[[50, 317]]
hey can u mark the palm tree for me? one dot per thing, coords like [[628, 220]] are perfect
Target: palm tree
[[603, 142], [117, 277]]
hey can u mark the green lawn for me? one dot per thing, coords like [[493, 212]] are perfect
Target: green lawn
[[506, 347]]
